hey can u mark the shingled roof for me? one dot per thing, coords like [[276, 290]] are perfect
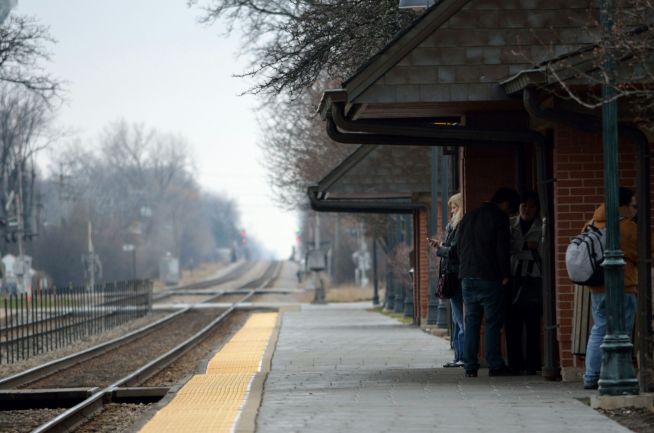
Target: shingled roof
[[460, 49]]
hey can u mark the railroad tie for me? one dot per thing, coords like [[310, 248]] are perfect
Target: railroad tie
[[212, 402]]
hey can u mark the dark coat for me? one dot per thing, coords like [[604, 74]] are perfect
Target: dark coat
[[449, 261], [482, 244]]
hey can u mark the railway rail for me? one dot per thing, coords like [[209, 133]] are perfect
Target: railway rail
[[233, 274], [124, 387], [55, 318]]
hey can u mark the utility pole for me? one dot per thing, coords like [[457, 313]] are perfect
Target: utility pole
[[91, 259], [20, 230]]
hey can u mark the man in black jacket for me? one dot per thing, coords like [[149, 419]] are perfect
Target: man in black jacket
[[483, 250]]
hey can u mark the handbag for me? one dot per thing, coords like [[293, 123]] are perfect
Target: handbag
[[446, 286]]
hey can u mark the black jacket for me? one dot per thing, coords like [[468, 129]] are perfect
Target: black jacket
[[449, 262], [482, 244]]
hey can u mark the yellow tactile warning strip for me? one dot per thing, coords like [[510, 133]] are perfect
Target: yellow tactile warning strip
[[212, 402]]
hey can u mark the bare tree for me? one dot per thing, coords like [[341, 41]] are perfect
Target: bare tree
[[25, 120], [137, 186], [297, 150], [293, 42], [628, 48], [23, 44]]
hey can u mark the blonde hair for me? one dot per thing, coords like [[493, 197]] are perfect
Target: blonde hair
[[457, 200]]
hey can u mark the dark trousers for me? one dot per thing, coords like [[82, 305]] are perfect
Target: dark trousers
[[482, 299], [523, 325]]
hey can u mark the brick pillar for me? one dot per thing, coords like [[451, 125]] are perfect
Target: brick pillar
[[578, 190], [421, 285]]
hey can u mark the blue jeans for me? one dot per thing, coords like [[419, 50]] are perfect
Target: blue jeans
[[593, 350], [456, 302], [483, 298]]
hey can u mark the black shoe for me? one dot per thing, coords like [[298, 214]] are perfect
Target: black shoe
[[593, 385], [471, 373], [531, 372], [502, 371]]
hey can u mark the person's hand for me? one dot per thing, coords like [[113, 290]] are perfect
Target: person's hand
[[505, 281], [433, 243], [532, 245]]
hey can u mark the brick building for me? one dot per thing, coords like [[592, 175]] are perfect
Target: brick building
[[462, 77]]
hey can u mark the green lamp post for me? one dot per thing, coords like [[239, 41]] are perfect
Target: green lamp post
[[617, 376]]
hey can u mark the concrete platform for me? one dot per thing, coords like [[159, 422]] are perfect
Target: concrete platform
[[340, 368], [214, 400]]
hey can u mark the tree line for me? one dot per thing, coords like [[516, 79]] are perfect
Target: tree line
[[131, 194]]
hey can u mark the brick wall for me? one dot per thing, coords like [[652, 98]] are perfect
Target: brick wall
[[485, 169], [579, 189]]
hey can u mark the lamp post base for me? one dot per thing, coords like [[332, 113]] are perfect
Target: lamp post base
[[442, 320], [617, 376]]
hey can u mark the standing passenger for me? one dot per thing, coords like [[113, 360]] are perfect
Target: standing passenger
[[629, 246], [525, 305], [450, 264], [482, 245]]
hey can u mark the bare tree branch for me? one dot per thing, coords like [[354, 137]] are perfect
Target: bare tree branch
[[293, 42], [22, 49]]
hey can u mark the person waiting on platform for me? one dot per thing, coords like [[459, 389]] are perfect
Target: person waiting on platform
[[525, 303], [483, 248], [629, 246], [450, 265]]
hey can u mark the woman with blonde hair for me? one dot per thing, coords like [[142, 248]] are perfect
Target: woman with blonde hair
[[449, 268]]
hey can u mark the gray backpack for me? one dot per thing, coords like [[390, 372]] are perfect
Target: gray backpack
[[584, 257]]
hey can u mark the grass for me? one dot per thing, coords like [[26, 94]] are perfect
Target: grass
[[350, 293]]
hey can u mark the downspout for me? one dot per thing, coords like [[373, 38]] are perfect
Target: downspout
[[376, 139], [400, 133], [591, 124]]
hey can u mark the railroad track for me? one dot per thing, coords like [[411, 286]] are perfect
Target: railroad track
[[49, 322], [36, 330], [233, 274], [125, 385]]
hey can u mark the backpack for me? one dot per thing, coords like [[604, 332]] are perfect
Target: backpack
[[584, 257]]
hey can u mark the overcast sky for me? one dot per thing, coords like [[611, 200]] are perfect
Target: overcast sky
[[150, 61]]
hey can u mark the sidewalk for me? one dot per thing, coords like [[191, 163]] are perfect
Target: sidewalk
[[339, 368]]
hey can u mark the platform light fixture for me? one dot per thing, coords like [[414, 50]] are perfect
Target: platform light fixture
[[415, 4]]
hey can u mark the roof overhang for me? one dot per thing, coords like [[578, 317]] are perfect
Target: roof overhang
[[580, 68], [396, 205], [444, 111], [340, 191]]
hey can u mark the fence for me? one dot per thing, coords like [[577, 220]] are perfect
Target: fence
[[57, 317]]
